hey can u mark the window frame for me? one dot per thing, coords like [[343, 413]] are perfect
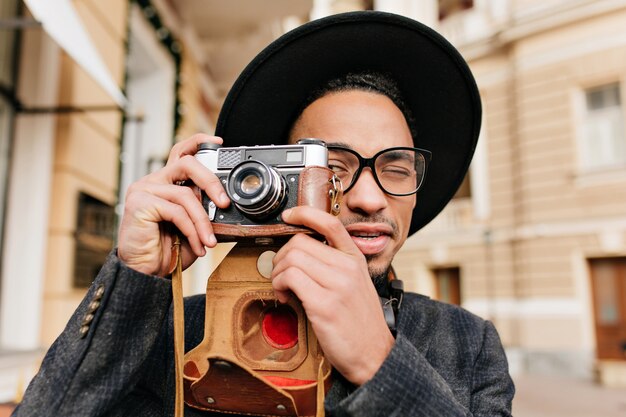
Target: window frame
[[582, 112]]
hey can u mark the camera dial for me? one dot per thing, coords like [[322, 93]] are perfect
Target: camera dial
[[256, 189]]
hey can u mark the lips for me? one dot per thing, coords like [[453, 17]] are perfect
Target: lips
[[371, 239]]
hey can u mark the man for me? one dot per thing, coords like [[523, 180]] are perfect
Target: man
[[376, 88]]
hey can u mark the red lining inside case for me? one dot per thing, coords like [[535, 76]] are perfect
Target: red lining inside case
[[280, 327]]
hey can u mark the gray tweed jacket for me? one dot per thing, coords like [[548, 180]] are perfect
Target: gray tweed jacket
[[115, 358]]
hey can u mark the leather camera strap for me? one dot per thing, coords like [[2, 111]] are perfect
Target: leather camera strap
[[179, 326], [320, 412]]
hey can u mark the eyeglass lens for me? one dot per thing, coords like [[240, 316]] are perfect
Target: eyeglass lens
[[398, 170]]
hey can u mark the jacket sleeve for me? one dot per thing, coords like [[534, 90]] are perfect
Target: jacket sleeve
[[97, 358], [408, 385]]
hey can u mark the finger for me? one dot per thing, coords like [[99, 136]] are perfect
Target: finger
[[158, 209], [184, 196], [315, 266], [188, 167], [188, 256], [310, 247], [324, 223], [295, 280], [189, 146]]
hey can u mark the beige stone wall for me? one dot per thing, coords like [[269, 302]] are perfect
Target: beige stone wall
[[191, 96], [547, 216], [86, 155], [498, 123], [88, 146]]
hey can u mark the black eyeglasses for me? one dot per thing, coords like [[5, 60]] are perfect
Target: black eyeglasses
[[397, 171]]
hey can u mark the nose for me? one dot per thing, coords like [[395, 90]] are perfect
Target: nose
[[365, 196]]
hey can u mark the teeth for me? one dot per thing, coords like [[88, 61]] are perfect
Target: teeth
[[367, 235]]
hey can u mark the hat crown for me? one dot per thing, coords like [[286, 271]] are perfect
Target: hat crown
[[435, 81]]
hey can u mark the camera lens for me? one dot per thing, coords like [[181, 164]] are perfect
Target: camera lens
[[251, 184], [256, 189]]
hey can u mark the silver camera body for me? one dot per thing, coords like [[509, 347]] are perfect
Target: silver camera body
[[261, 181]]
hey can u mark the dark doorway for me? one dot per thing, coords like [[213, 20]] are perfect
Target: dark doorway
[[608, 283], [448, 285]]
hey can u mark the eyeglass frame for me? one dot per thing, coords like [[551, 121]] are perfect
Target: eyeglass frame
[[369, 162]]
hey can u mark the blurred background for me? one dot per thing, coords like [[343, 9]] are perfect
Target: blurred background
[[534, 240]]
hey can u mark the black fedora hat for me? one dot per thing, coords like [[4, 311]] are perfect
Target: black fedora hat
[[434, 79]]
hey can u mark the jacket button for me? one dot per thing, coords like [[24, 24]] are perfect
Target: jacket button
[[83, 331], [93, 306], [99, 292], [87, 319]]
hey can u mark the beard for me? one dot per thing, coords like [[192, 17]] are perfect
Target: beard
[[379, 276]]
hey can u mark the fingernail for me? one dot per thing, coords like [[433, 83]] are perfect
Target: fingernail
[[224, 198], [286, 214], [212, 240]]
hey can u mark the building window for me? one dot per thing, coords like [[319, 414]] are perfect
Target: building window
[[448, 285], [95, 232], [368, 4], [603, 141], [450, 7]]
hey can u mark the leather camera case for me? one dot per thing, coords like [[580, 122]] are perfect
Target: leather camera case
[[238, 367]]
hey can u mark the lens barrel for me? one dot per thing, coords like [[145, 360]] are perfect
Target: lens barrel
[[256, 189]]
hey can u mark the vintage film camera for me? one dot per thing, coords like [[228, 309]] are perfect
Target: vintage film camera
[[261, 181], [259, 357]]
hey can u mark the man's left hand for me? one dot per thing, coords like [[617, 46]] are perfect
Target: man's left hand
[[333, 283]]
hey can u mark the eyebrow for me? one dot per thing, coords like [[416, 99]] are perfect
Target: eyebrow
[[399, 154], [340, 144]]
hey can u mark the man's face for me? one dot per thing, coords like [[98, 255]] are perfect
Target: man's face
[[366, 122]]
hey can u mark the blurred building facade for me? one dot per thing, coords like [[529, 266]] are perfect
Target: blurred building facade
[[61, 175], [534, 240], [68, 150]]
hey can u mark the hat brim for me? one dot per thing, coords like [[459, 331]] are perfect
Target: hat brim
[[435, 81]]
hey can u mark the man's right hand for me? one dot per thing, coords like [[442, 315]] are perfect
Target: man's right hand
[[156, 208]]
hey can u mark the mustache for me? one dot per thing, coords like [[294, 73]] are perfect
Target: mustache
[[375, 218]]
